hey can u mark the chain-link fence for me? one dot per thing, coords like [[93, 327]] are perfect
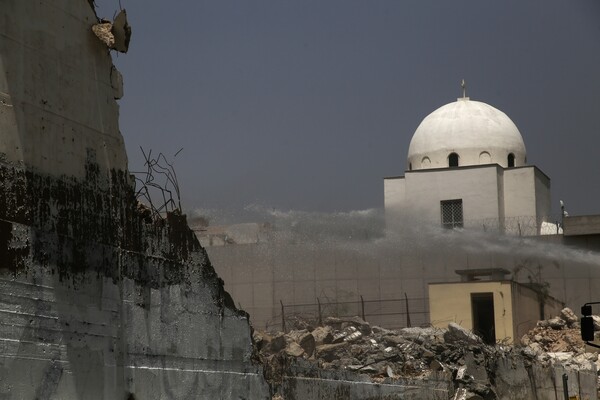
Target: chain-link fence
[[388, 313]]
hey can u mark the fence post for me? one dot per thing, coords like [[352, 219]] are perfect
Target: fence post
[[407, 310], [319, 309], [362, 306], [282, 317]]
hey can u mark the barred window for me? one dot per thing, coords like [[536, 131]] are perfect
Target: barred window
[[452, 213]]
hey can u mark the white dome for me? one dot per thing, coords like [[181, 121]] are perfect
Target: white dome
[[477, 132]]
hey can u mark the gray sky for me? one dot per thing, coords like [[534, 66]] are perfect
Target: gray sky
[[307, 105]]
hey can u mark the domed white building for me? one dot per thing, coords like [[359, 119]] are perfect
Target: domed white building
[[467, 166]]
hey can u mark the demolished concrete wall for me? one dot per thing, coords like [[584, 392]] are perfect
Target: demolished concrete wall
[[99, 298], [347, 358]]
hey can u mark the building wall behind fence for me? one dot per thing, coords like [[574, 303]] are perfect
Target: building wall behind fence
[[262, 275]]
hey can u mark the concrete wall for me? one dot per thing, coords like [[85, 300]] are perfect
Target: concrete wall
[[260, 276], [511, 380], [543, 206], [394, 196], [56, 97], [519, 192], [582, 225], [100, 298], [527, 309]]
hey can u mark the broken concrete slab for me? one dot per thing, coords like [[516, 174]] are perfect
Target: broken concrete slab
[[458, 334], [115, 35]]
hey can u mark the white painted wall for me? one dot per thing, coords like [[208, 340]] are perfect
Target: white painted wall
[[517, 198], [424, 190]]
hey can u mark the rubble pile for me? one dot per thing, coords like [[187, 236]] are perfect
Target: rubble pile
[[353, 345], [558, 334], [558, 340]]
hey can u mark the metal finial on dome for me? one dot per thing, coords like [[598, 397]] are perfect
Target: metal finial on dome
[[463, 85]]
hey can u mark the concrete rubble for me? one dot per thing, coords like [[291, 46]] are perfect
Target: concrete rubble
[[474, 370], [115, 35]]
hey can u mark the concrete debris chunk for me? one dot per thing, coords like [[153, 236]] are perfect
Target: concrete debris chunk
[[557, 323], [277, 343], [569, 317], [354, 336], [322, 335], [294, 349], [103, 31], [596, 320], [116, 35], [330, 352], [305, 340], [457, 334]]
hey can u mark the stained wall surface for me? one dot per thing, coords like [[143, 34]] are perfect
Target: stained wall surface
[[263, 275]]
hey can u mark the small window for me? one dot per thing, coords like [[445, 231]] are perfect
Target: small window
[[511, 160], [425, 162], [453, 160], [452, 213]]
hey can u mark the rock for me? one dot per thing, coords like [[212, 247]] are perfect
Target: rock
[[307, 342], [330, 352], [293, 349], [568, 316], [353, 337], [305, 339], [380, 331], [259, 339], [393, 340], [418, 335], [458, 334], [556, 323], [322, 335], [542, 324], [277, 343], [341, 336], [583, 362], [295, 334], [474, 367], [389, 372], [363, 326], [333, 322], [596, 320], [427, 354], [436, 365], [536, 348], [561, 357]]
